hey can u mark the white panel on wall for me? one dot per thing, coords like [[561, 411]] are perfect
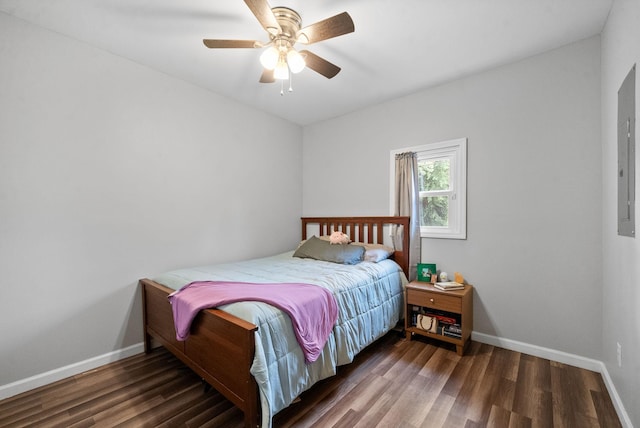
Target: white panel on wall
[[627, 155]]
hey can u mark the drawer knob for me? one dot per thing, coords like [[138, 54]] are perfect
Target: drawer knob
[[431, 300]]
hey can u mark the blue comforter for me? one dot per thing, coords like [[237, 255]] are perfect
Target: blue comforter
[[370, 300]]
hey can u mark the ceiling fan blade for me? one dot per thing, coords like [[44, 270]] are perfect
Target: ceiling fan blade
[[326, 29], [320, 65], [262, 11], [215, 43], [267, 76]]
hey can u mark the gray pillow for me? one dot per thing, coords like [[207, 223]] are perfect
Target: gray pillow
[[318, 249]]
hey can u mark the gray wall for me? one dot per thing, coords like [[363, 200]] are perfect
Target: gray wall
[[621, 255], [110, 172], [534, 188]]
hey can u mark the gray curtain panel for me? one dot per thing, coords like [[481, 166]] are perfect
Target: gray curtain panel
[[406, 204]]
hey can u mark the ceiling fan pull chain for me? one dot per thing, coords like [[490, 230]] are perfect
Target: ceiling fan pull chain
[[282, 88], [290, 82]]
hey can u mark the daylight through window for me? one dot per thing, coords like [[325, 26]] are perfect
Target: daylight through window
[[442, 178]]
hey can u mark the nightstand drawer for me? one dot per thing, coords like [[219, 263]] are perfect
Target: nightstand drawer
[[434, 300]]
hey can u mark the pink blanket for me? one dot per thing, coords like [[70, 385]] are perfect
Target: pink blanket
[[313, 310]]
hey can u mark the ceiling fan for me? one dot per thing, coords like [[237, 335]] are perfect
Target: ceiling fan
[[284, 27]]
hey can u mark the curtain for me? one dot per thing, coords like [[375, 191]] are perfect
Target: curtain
[[406, 204]]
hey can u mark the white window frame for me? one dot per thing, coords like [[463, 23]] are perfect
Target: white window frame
[[456, 151]]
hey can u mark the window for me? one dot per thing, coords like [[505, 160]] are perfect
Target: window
[[442, 182]]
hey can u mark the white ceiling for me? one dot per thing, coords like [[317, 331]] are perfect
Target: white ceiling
[[398, 47]]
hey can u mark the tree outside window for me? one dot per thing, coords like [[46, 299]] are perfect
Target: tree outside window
[[434, 180]]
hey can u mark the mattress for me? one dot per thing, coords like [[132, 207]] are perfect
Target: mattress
[[370, 301]]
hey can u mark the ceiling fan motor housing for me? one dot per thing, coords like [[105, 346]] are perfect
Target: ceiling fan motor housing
[[290, 23]]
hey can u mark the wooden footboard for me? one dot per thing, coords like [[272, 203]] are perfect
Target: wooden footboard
[[220, 347]]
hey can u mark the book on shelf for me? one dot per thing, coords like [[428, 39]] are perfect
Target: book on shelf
[[452, 330], [449, 285], [449, 331]]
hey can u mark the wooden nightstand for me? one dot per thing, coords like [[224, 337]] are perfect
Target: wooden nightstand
[[423, 297]]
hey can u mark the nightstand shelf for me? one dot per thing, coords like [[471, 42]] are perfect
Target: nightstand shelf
[[427, 298]]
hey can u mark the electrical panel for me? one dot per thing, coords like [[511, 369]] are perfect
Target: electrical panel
[[627, 155]]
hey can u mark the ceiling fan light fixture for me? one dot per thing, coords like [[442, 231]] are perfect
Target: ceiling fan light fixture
[[295, 61], [281, 71], [269, 58]]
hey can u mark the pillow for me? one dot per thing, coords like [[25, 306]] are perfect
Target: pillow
[[375, 252], [323, 237], [319, 249], [376, 255]]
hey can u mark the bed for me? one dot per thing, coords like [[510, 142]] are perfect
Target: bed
[[239, 349]]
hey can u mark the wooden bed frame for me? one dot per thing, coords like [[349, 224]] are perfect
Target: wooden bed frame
[[220, 347]]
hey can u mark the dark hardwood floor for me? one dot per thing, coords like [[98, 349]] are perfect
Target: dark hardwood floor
[[393, 383]]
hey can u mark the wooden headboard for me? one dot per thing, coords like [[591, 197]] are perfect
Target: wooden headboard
[[363, 229]]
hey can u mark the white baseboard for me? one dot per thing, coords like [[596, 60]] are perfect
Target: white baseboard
[[625, 420], [561, 357], [539, 351], [20, 386]]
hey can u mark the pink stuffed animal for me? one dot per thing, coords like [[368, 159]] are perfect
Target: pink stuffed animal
[[339, 238]]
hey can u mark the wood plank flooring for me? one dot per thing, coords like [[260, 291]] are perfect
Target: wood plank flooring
[[393, 383]]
